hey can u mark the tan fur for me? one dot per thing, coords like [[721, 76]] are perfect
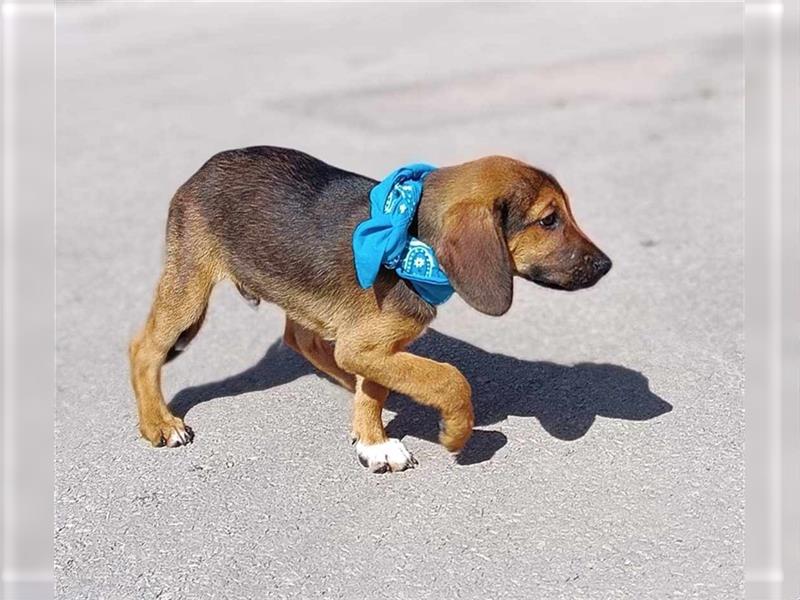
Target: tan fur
[[318, 352], [180, 302], [367, 408]]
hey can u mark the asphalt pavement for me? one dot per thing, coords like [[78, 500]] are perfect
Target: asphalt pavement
[[608, 457]]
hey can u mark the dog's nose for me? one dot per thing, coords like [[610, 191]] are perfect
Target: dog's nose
[[602, 265], [599, 263]]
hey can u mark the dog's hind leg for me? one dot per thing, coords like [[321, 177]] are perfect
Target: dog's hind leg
[[317, 351], [176, 315]]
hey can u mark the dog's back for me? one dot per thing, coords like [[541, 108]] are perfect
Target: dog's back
[[286, 213]]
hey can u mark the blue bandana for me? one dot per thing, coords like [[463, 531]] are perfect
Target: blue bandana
[[383, 239]]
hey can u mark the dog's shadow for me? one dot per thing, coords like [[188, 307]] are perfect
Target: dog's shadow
[[565, 399]]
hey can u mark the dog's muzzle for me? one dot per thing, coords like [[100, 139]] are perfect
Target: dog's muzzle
[[584, 274]]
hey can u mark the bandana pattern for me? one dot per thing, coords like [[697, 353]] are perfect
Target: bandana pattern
[[383, 239]]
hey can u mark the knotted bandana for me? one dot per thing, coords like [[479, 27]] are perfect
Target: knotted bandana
[[383, 239]]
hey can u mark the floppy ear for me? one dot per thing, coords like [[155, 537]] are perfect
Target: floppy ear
[[475, 257]]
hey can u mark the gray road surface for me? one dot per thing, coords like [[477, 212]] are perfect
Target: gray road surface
[[608, 457]]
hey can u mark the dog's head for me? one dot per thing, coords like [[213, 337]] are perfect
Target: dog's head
[[497, 217]]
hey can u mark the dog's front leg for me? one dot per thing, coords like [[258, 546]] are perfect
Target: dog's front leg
[[375, 450], [428, 382]]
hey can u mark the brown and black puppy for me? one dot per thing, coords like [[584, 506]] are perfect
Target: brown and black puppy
[[279, 224]]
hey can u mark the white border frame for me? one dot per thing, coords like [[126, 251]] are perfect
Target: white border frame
[[772, 231], [27, 373], [772, 272]]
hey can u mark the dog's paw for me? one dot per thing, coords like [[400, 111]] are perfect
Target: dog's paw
[[173, 433], [390, 455]]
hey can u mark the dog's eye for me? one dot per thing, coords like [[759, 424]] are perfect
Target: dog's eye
[[549, 221]]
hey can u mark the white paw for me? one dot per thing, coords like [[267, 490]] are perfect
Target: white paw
[[390, 455], [172, 433], [180, 437]]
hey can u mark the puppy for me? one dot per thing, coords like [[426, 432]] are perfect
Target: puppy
[[279, 224]]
